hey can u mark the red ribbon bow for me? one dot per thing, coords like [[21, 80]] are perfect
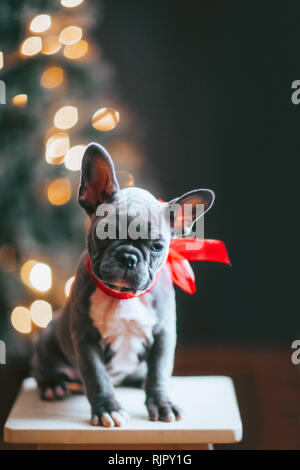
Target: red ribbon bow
[[181, 251]]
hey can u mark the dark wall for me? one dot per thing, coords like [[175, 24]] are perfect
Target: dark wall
[[210, 82]]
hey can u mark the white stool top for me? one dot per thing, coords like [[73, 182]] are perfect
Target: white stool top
[[211, 415]]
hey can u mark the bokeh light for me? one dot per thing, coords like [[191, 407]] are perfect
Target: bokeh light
[[50, 133], [40, 277], [71, 3], [20, 100], [51, 45], [105, 119], [41, 313], [59, 191], [25, 271], [74, 157], [40, 23], [52, 77], [68, 285], [76, 51], [125, 154], [1, 60], [70, 35], [56, 148], [66, 117], [125, 179], [31, 46], [20, 319]]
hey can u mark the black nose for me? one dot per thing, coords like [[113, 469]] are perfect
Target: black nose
[[129, 260]]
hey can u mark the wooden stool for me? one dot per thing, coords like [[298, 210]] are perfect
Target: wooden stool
[[211, 416]]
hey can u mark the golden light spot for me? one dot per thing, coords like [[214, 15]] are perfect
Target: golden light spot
[[25, 271], [52, 77], [70, 35], [50, 133], [41, 313], [20, 319], [19, 100], [125, 179], [51, 45], [125, 154], [71, 3], [31, 46], [40, 277], [1, 60], [74, 157], [59, 191], [69, 285], [76, 51], [66, 117], [105, 119], [40, 23], [56, 148]]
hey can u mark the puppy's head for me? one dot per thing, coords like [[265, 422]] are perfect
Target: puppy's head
[[130, 230]]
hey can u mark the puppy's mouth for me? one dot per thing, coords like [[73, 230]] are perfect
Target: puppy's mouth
[[119, 286], [120, 279]]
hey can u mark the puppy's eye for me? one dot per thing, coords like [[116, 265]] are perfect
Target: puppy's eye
[[157, 246]]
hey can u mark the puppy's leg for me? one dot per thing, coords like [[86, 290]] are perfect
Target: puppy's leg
[[160, 366], [105, 409], [50, 367]]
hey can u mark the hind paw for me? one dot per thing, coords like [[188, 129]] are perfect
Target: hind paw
[[54, 392]]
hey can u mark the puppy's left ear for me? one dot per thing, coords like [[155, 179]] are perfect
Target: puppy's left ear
[[98, 182], [185, 210]]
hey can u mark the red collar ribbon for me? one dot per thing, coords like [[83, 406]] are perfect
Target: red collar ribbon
[[181, 251]]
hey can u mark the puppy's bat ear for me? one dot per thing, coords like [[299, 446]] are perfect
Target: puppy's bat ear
[[185, 210], [98, 182]]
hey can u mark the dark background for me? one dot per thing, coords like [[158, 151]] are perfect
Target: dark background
[[211, 84]]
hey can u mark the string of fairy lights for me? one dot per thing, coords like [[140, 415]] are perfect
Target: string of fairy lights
[[48, 35]]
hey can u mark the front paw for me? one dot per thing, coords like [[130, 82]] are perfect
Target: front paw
[[108, 413], [161, 408]]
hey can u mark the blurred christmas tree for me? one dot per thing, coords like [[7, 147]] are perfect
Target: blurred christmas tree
[[56, 79]]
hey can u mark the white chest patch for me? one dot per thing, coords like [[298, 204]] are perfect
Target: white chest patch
[[126, 325]]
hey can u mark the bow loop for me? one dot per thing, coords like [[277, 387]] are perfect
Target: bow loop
[[183, 250]]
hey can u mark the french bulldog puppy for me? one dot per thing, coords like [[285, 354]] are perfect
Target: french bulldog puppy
[[98, 338]]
